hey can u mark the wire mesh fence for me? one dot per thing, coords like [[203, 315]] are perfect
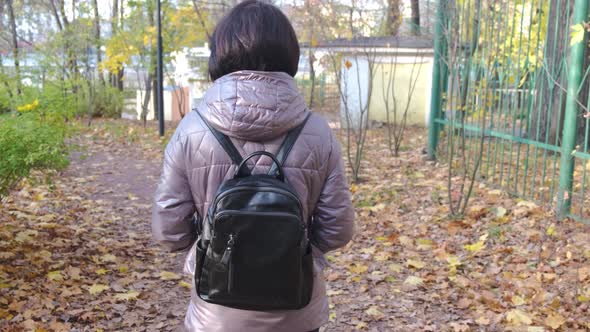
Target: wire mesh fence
[[511, 97]]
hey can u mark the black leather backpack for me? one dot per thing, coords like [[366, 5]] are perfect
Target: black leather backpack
[[253, 252]]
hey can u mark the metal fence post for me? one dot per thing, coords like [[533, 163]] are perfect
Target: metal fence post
[[437, 67], [568, 145]]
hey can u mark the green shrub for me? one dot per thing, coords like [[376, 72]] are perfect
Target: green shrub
[[107, 102], [30, 141]]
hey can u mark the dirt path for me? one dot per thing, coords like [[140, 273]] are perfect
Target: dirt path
[[76, 252], [125, 180], [99, 268]]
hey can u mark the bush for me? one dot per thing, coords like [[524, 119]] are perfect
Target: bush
[[107, 102], [29, 141], [4, 101]]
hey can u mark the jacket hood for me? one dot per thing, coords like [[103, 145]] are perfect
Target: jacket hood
[[253, 106]]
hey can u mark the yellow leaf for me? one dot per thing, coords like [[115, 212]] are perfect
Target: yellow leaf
[[475, 247], [347, 64], [583, 298], [415, 263], [395, 268], [374, 311], [101, 272], [483, 320], [414, 281], [185, 284], [55, 276], [554, 321], [577, 34], [518, 317], [382, 256], [130, 295], [109, 258], [97, 289], [332, 316], [453, 261], [314, 41], [361, 326], [551, 230], [517, 300], [25, 236], [123, 269], [358, 268], [424, 244], [166, 275]]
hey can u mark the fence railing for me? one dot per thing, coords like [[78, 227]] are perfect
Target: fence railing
[[511, 97]]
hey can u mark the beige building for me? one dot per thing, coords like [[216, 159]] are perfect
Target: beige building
[[384, 77]]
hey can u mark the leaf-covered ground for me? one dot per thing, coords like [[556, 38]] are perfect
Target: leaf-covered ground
[[76, 253]]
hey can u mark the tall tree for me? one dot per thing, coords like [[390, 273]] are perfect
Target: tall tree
[[151, 12], [415, 4], [15, 47], [97, 40], [552, 79], [393, 20]]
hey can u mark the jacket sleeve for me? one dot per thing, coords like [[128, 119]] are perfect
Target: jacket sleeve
[[173, 209], [333, 218]]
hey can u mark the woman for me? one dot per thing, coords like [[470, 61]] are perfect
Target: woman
[[254, 101]]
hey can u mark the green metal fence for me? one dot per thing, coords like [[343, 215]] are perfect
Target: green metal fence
[[511, 87]]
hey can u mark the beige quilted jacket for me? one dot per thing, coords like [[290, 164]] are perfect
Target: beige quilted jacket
[[255, 109]]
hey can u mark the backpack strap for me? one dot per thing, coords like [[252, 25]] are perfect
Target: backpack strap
[[287, 145], [225, 142]]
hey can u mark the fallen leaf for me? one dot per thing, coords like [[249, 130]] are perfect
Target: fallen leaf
[[517, 300], [554, 321], [374, 311], [97, 289], [130, 295], [358, 268], [483, 320], [475, 247], [395, 268], [414, 281], [185, 284], [108, 258], [55, 276], [417, 264], [167, 275], [518, 317], [551, 230]]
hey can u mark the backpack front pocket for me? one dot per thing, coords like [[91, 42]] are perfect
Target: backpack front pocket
[[256, 264]]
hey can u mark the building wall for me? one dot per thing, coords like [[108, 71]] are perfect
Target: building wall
[[354, 84], [392, 89]]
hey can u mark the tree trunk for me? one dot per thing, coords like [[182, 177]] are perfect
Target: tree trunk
[[394, 17], [153, 58], [97, 39], [310, 55], [116, 79], [545, 124], [584, 96], [415, 17], [2, 72], [146, 99], [14, 46]]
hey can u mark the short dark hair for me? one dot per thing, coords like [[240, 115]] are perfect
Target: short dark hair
[[253, 36]]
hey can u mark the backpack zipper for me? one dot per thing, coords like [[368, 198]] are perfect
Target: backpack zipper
[[226, 261], [259, 188]]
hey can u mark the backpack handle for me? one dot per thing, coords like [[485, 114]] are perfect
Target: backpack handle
[[243, 170]]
